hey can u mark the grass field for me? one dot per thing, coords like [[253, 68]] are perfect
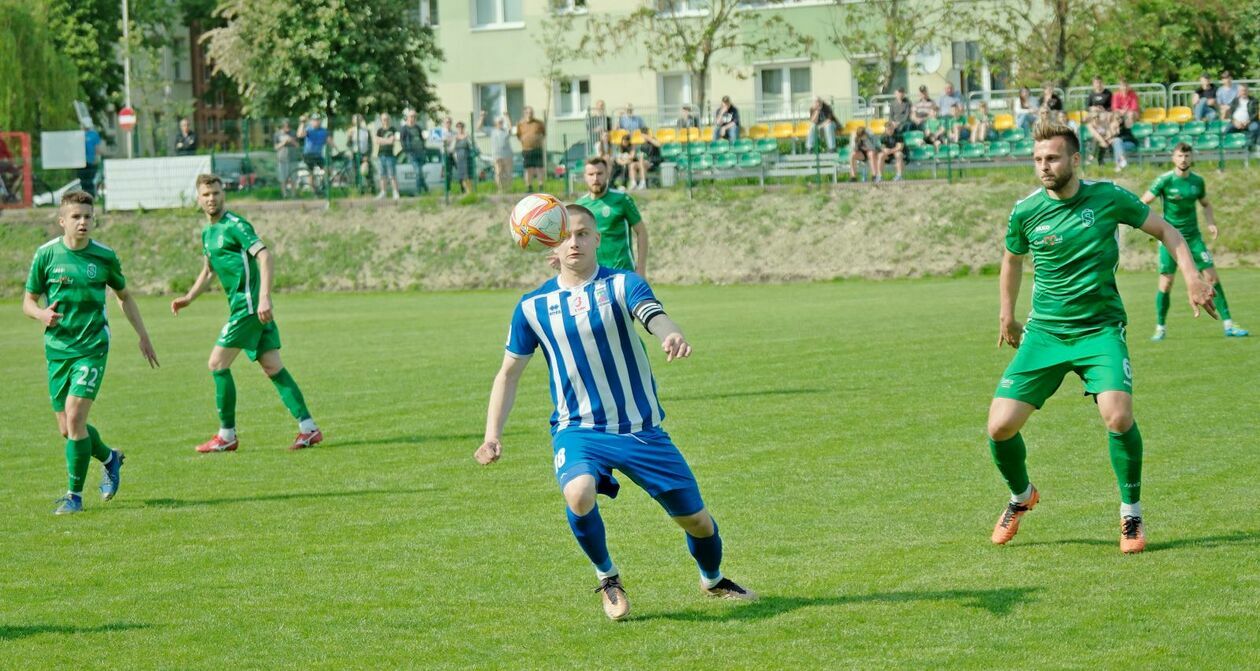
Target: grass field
[[837, 432]]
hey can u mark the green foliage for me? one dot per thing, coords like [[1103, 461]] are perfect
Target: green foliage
[[892, 30], [1174, 40], [88, 33], [1041, 41], [38, 84], [333, 56]]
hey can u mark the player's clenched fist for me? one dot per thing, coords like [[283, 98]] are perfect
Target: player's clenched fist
[[489, 452]]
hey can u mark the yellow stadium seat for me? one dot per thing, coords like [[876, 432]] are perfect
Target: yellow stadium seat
[[782, 131], [706, 133], [615, 136], [1003, 122], [693, 135], [666, 134], [852, 125], [759, 131], [801, 131], [1180, 114], [878, 125], [1076, 115], [1154, 114], [637, 137]]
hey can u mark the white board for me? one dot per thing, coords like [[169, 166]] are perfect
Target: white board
[[153, 183], [62, 149]]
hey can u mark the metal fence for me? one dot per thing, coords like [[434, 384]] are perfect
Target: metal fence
[[1181, 94], [1149, 95]]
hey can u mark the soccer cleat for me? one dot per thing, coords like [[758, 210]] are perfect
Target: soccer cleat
[[305, 440], [1008, 522], [1132, 535], [614, 597], [217, 444], [111, 476], [69, 504], [1235, 332], [1160, 334], [727, 589]]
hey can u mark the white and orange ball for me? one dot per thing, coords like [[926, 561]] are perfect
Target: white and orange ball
[[539, 222]]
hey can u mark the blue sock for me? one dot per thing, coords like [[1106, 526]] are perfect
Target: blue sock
[[708, 553], [588, 529]]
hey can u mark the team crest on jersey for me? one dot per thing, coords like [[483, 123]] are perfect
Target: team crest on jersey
[[1087, 218], [91, 270], [606, 212]]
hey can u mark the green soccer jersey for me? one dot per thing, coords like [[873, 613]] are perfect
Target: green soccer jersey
[[1075, 249], [615, 212], [232, 247], [75, 280], [1181, 196]]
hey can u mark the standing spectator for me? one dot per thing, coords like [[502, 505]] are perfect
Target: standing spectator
[[1244, 116], [821, 120], [899, 110], [412, 139], [532, 135], [864, 149], [462, 148], [922, 109], [94, 149], [629, 121], [288, 153], [1051, 106], [1204, 100], [1025, 109], [1098, 96], [388, 146], [687, 119], [186, 140], [314, 138], [362, 148], [892, 147], [626, 164], [597, 121], [947, 100], [1125, 104], [442, 139], [726, 121], [501, 151], [981, 124], [1225, 93]]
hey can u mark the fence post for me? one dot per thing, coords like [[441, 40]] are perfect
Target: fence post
[[247, 166], [817, 159], [690, 181]]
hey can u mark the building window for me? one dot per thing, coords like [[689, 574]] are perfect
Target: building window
[[573, 97], [568, 6], [783, 91], [495, 13], [428, 12], [180, 55], [682, 7], [501, 98], [674, 91]]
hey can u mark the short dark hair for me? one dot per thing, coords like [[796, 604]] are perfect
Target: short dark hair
[[1183, 147], [901, 89], [1225, 74], [597, 160], [208, 178], [579, 210], [78, 197], [1048, 130]]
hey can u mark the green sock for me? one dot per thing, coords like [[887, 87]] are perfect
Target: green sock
[[1010, 456], [1126, 460], [290, 394], [1222, 305], [1162, 303], [100, 451], [78, 457], [225, 397]]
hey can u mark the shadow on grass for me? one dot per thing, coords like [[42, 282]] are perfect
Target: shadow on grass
[[413, 439], [747, 394], [1219, 540], [10, 632], [190, 503], [995, 601]]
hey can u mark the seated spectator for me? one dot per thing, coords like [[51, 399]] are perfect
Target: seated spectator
[[890, 146], [1225, 93], [626, 164], [1105, 130], [726, 121], [1025, 110], [864, 149], [629, 121], [982, 124], [956, 122], [1098, 96], [922, 109], [1244, 117], [947, 100], [687, 119], [899, 111], [1050, 107], [821, 120], [1125, 104], [934, 128], [1204, 100], [649, 156], [603, 148]]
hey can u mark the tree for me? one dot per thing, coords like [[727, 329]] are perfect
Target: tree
[[1040, 41], [38, 85], [891, 30], [1176, 40], [670, 36], [330, 55], [552, 39], [88, 32]]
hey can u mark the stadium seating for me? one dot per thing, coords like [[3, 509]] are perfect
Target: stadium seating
[[696, 148], [743, 146], [1004, 122], [698, 162], [843, 154], [1234, 141], [719, 147], [636, 138], [724, 161], [615, 136], [767, 144], [975, 151], [670, 150], [1142, 130], [1013, 135], [782, 131], [922, 152], [1022, 148], [947, 151], [1218, 126], [999, 149], [1180, 114], [913, 138], [758, 131], [1193, 128], [1167, 129], [1155, 144], [749, 159], [1154, 115], [801, 131], [666, 135], [852, 125], [877, 126], [1076, 115], [1207, 142]]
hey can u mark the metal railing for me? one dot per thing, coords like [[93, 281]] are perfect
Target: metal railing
[[1149, 95], [1181, 94]]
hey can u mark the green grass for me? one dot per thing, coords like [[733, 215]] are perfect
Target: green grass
[[836, 430]]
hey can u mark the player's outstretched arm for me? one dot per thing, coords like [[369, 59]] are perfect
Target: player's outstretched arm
[[1010, 331], [128, 304], [671, 336], [48, 316], [266, 268], [1209, 217], [1148, 198], [1201, 293], [502, 396], [199, 286]]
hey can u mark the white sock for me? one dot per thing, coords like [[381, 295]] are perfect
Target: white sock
[[710, 583], [1229, 324], [227, 435], [111, 458], [307, 425], [1160, 328], [1130, 510], [607, 574], [1022, 498]]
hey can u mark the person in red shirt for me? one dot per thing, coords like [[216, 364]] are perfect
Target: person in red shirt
[[1125, 103]]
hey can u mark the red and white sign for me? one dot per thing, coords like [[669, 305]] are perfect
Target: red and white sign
[[126, 118]]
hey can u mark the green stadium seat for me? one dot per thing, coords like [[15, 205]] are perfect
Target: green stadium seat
[[913, 138], [671, 149], [1177, 139], [719, 147], [767, 144], [974, 150], [725, 160], [923, 152], [1013, 135], [701, 162], [749, 159], [933, 125], [1155, 144], [696, 148], [947, 151], [743, 146], [1142, 130], [1193, 128], [1218, 126], [1234, 141], [844, 153], [1167, 128], [999, 149], [1207, 142], [1022, 148]]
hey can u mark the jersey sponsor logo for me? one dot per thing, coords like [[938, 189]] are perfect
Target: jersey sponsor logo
[[91, 271], [1043, 228], [553, 309], [1087, 218], [601, 295], [1007, 383], [578, 304], [1050, 240]]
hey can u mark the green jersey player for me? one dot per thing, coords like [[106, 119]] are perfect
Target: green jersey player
[[1077, 323], [243, 265], [623, 233], [1182, 192], [72, 272]]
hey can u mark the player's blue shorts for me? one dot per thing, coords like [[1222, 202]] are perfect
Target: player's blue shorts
[[648, 457]]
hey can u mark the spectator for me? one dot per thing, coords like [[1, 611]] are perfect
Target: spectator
[[597, 121], [1225, 93], [388, 146], [627, 164], [412, 139], [186, 139], [726, 121], [1204, 100], [947, 100], [687, 119], [1098, 96], [1051, 106], [650, 154], [934, 127], [603, 148], [899, 111], [501, 151], [922, 109], [1025, 109], [956, 122], [892, 147], [629, 121], [1105, 130], [1125, 104], [822, 120], [864, 149], [532, 135], [314, 139], [94, 149], [442, 138], [981, 124], [462, 149], [1244, 116], [288, 153], [362, 146]]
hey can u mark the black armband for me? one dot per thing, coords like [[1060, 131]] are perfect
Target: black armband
[[646, 311]]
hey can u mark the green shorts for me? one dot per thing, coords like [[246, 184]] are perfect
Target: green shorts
[[1198, 249], [249, 334], [80, 377], [1100, 358]]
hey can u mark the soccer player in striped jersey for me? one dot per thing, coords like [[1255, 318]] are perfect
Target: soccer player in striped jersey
[[607, 415], [243, 265], [1077, 324], [72, 272]]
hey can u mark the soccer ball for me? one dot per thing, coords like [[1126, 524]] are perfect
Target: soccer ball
[[539, 222]]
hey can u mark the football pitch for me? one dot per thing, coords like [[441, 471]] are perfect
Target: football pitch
[[836, 429]]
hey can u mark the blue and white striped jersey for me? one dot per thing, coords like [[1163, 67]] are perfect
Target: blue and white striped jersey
[[600, 375]]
